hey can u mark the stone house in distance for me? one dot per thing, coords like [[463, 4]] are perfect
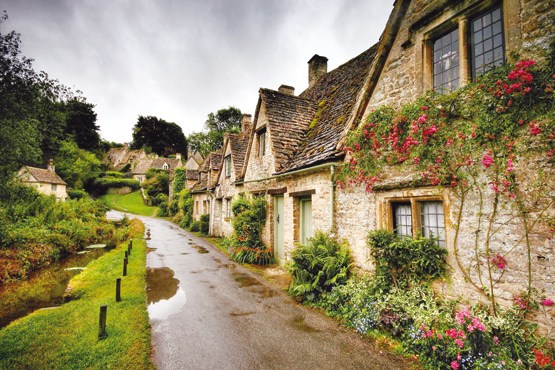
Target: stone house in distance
[[229, 175], [159, 163], [202, 191], [46, 181], [297, 141]]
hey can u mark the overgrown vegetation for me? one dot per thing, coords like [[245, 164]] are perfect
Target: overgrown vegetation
[[205, 224], [66, 337], [184, 214], [36, 229], [317, 267], [245, 246]]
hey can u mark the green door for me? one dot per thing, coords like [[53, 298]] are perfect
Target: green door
[[306, 220], [278, 227]]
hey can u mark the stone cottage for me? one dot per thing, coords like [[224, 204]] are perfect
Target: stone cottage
[[159, 163], [229, 175], [442, 45], [203, 189], [45, 181], [194, 161], [125, 159]]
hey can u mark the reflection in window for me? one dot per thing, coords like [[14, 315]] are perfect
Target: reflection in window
[[487, 42], [433, 221], [446, 62], [402, 219]]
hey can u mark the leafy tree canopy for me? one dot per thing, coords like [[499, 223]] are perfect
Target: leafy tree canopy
[[81, 124], [162, 137], [76, 166], [216, 126]]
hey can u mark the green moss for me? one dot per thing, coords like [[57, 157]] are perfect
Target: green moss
[[66, 337], [321, 107]]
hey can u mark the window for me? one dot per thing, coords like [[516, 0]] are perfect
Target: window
[[402, 219], [463, 48], [227, 162], [430, 220], [228, 208], [486, 37], [165, 166], [54, 187], [446, 62], [261, 143]]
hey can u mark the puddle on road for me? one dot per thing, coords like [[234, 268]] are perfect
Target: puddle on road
[[217, 260], [264, 291], [299, 323], [230, 266], [200, 249], [148, 249], [244, 280], [235, 314], [184, 253], [165, 296]]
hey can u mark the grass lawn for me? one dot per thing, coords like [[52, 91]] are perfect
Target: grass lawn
[[67, 337], [132, 203]]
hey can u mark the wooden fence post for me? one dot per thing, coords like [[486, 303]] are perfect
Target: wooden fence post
[[125, 260], [102, 322], [118, 289]]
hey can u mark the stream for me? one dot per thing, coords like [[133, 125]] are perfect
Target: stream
[[44, 288]]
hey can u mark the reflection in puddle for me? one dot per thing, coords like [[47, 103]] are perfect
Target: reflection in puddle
[[299, 324], [200, 249], [242, 313], [165, 296]]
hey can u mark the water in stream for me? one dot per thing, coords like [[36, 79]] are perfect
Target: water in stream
[[44, 288]]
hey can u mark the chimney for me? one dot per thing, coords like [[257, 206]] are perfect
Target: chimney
[[178, 156], [51, 166], [246, 122], [285, 89], [317, 67]]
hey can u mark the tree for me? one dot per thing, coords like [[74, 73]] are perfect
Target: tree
[[81, 124], [217, 124], [163, 138], [76, 166]]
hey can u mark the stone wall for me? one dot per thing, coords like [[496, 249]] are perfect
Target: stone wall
[[528, 30], [260, 167]]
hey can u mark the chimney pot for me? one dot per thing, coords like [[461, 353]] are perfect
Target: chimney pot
[[246, 122], [286, 89], [51, 166], [317, 67]]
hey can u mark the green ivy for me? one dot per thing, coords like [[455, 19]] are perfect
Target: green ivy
[[245, 245]]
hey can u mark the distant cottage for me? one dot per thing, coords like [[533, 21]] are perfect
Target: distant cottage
[[46, 181]]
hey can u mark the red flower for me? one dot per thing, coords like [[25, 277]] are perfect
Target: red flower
[[487, 160], [547, 302], [534, 128]]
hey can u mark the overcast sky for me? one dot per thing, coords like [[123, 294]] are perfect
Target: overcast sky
[[182, 59]]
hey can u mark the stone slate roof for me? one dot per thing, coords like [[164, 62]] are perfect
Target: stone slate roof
[[334, 97], [191, 175], [201, 185], [239, 144], [158, 163], [288, 117], [44, 175]]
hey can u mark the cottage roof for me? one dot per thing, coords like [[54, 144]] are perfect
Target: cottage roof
[[44, 175], [158, 163], [289, 118], [143, 166], [191, 175], [238, 144], [335, 95]]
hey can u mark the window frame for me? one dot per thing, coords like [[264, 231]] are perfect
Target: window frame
[[261, 136], [471, 41], [416, 213], [227, 165]]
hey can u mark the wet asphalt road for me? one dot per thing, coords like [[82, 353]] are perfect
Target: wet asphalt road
[[208, 312]]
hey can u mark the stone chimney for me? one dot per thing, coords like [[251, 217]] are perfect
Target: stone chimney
[[246, 122], [285, 89], [317, 67], [178, 156], [50, 167]]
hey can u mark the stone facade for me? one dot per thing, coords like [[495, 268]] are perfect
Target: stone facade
[[46, 181]]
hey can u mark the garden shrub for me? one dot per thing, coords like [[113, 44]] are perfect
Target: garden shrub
[[100, 186], [318, 266], [114, 174], [179, 179], [245, 244], [195, 226], [77, 194], [402, 261], [205, 224], [185, 206]]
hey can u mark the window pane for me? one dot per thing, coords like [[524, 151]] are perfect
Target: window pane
[[402, 219], [446, 62], [433, 221], [487, 31]]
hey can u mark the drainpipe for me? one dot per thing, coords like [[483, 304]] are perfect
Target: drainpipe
[[332, 197]]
